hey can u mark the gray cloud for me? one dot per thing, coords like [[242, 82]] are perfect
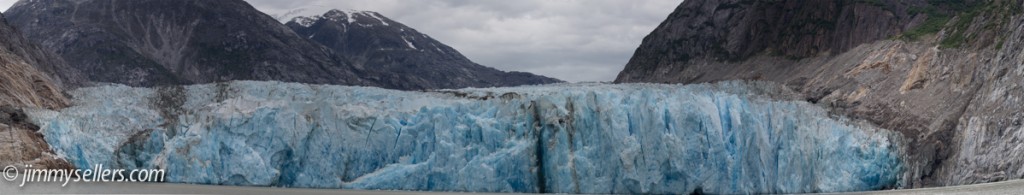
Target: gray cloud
[[4, 4], [573, 40]]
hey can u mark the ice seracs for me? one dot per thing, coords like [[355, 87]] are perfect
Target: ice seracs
[[725, 138]]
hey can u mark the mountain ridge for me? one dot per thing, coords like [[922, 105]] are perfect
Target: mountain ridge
[[164, 42], [154, 42], [370, 39]]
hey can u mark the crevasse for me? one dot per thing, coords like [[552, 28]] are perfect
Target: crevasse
[[567, 138]]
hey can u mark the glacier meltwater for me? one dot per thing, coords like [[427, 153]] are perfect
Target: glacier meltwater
[[564, 138]]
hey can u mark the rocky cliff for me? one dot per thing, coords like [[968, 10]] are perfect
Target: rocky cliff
[[946, 74], [22, 84], [407, 58]]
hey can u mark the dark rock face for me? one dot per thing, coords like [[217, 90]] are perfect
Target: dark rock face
[[48, 62], [734, 30], [946, 74], [162, 42], [406, 58]]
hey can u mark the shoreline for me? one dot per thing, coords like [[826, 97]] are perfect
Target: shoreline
[[1003, 187]]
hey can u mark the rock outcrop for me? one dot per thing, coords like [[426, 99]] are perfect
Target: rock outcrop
[[406, 58], [944, 73], [21, 143]]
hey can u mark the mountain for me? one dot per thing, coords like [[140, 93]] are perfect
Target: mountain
[[23, 84], [165, 42], [945, 74], [407, 58], [170, 42]]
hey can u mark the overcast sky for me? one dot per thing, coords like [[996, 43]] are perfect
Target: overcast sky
[[572, 40]]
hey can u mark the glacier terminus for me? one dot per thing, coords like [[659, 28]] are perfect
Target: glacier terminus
[[727, 137]]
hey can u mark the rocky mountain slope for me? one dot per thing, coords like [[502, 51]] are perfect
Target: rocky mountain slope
[[407, 58], [22, 84], [946, 74], [62, 75], [167, 42], [162, 42]]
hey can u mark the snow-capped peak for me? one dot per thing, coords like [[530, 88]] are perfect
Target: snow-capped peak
[[336, 15], [306, 21], [310, 11], [351, 16]]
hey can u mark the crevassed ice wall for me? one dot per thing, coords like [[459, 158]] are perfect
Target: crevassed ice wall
[[569, 138]]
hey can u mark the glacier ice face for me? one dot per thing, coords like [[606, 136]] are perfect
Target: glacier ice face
[[567, 138]]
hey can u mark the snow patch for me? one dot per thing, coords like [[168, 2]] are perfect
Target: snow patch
[[377, 16], [407, 42], [339, 16], [437, 48], [306, 19]]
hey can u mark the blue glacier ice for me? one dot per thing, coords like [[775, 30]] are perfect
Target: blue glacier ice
[[568, 138]]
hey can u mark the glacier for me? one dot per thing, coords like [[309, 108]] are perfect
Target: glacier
[[727, 137]]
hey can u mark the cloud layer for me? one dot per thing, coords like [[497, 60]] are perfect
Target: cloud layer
[[572, 40]]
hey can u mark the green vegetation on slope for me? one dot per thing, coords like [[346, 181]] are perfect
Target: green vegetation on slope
[[940, 12]]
